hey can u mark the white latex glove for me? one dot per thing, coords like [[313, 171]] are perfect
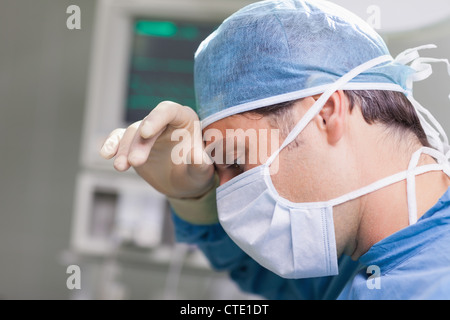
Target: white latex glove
[[147, 147]]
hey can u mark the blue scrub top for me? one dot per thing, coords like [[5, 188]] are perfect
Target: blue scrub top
[[413, 263]]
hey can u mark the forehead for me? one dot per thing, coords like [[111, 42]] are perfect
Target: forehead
[[238, 121], [235, 127]]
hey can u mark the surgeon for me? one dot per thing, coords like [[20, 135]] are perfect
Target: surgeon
[[351, 197]]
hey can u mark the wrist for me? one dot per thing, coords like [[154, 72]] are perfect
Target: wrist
[[200, 210]]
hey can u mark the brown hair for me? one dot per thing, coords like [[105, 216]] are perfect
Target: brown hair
[[390, 108]]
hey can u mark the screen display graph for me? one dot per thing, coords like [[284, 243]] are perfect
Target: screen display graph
[[162, 64]]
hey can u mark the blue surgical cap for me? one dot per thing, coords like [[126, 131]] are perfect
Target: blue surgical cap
[[280, 50]]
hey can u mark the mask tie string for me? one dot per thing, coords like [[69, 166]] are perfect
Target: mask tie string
[[317, 106], [422, 67], [435, 133], [443, 162]]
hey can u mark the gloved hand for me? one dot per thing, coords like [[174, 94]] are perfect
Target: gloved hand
[[147, 147]]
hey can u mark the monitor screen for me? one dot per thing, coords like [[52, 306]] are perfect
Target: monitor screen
[[162, 64]]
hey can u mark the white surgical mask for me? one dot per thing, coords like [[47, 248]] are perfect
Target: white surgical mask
[[297, 240]]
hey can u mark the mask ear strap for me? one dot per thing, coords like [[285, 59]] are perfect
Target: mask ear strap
[[422, 67], [443, 161], [318, 105], [412, 54], [411, 186], [434, 131]]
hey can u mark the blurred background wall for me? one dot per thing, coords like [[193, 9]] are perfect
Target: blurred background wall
[[43, 74], [44, 68]]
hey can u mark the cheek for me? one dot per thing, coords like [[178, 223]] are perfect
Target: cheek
[[286, 177], [300, 177], [269, 141]]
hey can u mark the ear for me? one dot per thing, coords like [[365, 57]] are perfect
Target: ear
[[331, 118]]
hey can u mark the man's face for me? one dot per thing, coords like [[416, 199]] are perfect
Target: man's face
[[240, 143], [319, 167], [313, 170], [248, 140]]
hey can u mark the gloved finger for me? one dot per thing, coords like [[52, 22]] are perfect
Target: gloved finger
[[121, 160], [198, 155], [201, 167], [164, 114], [140, 148], [111, 144]]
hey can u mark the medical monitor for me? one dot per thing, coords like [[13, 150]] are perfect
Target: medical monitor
[[161, 64]]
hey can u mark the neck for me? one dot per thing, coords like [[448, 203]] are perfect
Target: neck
[[385, 211]]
